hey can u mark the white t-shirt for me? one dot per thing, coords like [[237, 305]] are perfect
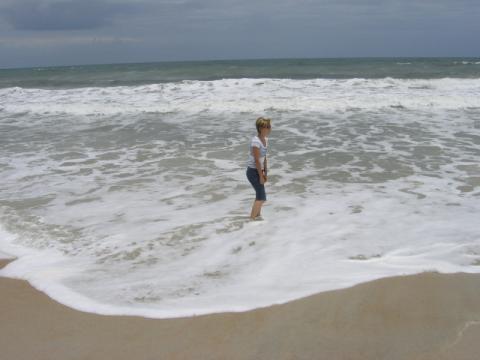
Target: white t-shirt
[[256, 142]]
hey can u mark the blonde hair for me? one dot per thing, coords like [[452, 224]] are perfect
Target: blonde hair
[[261, 123]]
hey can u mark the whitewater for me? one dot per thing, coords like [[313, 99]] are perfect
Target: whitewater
[[133, 199]]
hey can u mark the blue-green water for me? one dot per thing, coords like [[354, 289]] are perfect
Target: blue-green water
[[152, 73]]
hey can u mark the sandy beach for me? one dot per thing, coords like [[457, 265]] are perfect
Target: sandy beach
[[425, 316]]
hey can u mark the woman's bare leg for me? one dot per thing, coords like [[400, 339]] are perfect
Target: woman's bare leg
[[257, 206]]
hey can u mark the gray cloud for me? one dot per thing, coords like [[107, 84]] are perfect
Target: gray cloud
[[52, 41], [64, 15], [151, 30]]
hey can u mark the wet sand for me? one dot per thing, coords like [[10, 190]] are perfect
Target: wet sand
[[419, 317]]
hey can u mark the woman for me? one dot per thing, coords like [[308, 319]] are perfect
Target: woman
[[257, 164]]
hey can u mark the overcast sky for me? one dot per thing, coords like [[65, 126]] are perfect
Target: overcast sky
[[66, 32]]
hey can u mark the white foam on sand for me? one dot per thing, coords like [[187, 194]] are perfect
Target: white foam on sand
[[334, 238], [5, 256]]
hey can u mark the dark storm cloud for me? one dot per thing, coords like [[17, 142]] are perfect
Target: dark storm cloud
[[64, 15]]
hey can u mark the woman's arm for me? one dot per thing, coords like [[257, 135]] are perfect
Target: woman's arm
[[265, 167], [258, 165]]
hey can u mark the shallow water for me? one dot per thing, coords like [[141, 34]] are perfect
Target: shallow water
[[134, 200]]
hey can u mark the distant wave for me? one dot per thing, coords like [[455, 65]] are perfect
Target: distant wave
[[466, 62], [252, 95]]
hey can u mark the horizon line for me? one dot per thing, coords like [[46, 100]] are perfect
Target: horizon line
[[244, 59]]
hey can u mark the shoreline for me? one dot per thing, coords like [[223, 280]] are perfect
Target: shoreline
[[414, 317]]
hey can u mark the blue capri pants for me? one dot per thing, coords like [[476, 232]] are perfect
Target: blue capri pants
[[254, 178]]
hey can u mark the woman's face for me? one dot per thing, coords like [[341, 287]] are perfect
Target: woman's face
[[265, 131]]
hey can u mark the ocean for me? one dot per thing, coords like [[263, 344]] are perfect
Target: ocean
[[123, 187]]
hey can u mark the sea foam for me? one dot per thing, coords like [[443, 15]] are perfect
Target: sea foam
[[134, 200]]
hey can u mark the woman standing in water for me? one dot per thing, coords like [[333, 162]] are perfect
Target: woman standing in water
[[257, 164]]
